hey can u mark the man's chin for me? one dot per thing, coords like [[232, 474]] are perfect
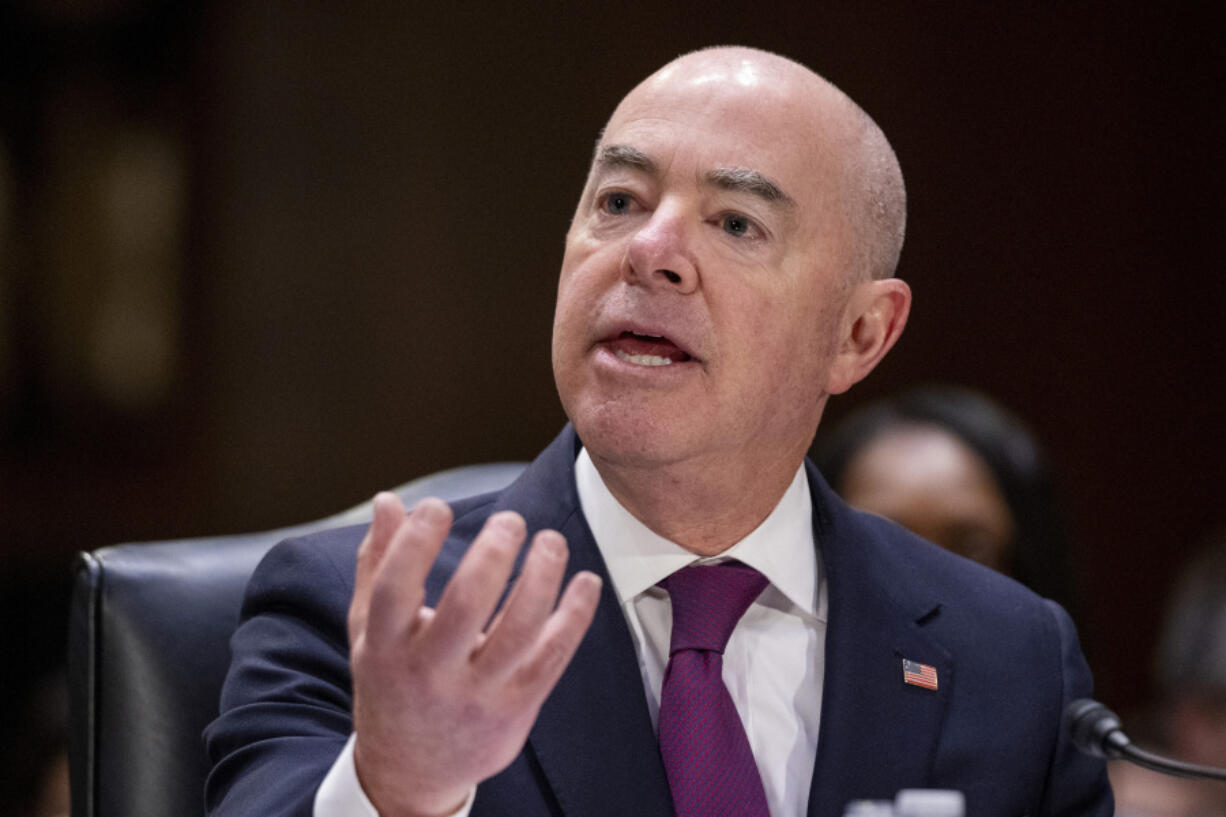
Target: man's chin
[[619, 435]]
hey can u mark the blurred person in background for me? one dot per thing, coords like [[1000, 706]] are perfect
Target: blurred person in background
[[1189, 721], [955, 467]]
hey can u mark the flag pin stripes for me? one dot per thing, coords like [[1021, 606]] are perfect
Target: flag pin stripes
[[920, 675]]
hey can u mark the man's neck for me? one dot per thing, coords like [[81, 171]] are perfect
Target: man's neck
[[705, 507]]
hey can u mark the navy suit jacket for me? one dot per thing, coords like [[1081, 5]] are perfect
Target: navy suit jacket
[[1007, 664]]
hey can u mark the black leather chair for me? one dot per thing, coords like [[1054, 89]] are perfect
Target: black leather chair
[[149, 647]]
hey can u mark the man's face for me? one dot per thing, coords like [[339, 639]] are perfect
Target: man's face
[[705, 277]]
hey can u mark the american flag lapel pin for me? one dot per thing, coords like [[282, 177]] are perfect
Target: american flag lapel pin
[[917, 674]]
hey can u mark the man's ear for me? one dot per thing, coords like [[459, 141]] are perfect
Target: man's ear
[[875, 316]]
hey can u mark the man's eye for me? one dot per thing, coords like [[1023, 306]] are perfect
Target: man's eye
[[617, 204], [737, 225]]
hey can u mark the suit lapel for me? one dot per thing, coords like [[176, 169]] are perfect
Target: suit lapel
[[878, 734], [593, 738]]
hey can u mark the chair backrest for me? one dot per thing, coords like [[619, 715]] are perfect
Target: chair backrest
[[149, 647]]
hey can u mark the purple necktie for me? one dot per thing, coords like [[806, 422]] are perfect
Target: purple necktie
[[710, 766]]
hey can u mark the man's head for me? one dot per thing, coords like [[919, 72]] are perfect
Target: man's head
[[741, 221]]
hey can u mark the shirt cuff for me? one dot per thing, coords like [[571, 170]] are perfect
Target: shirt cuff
[[341, 794]]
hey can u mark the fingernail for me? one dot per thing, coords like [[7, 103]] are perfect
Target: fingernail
[[507, 522], [591, 583], [553, 543], [432, 511]]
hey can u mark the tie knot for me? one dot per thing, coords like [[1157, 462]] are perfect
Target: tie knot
[[708, 601]]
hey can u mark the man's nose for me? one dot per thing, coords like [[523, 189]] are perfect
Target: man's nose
[[661, 253]]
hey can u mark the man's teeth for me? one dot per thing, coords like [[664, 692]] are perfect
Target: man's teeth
[[643, 360]]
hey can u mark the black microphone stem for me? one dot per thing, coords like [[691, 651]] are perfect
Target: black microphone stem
[[1096, 730], [1166, 765]]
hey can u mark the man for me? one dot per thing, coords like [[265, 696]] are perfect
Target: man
[[728, 268]]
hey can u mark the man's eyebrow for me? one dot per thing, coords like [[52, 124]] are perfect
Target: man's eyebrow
[[614, 156], [738, 179]]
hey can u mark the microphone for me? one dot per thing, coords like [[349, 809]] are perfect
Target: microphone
[[1097, 731]]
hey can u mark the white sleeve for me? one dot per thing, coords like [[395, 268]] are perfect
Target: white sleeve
[[341, 795]]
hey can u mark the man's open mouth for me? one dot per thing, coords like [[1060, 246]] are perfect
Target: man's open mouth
[[648, 350]]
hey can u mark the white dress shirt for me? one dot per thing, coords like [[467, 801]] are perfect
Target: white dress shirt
[[774, 660]]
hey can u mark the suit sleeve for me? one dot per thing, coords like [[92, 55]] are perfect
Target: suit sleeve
[[1077, 784], [286, 703]]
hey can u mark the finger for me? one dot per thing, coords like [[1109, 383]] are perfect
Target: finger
[[470, 597], [528, 568], [511, 635], [388, 514], [510, 601], [399, 582], [560, 637]]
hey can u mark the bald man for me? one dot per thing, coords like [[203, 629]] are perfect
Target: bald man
[[728, 268]]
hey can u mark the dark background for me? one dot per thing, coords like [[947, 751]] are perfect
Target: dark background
[[259, 260]]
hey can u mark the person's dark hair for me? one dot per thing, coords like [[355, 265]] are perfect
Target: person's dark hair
[[1006, 446]]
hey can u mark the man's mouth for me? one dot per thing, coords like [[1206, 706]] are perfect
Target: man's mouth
[[648, 350]]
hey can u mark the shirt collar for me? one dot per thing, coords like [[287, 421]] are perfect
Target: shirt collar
[[782, 548]]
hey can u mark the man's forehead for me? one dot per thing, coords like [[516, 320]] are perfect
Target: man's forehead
[[773, 126]]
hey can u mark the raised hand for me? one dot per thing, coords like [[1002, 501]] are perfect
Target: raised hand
[[440, 700]]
